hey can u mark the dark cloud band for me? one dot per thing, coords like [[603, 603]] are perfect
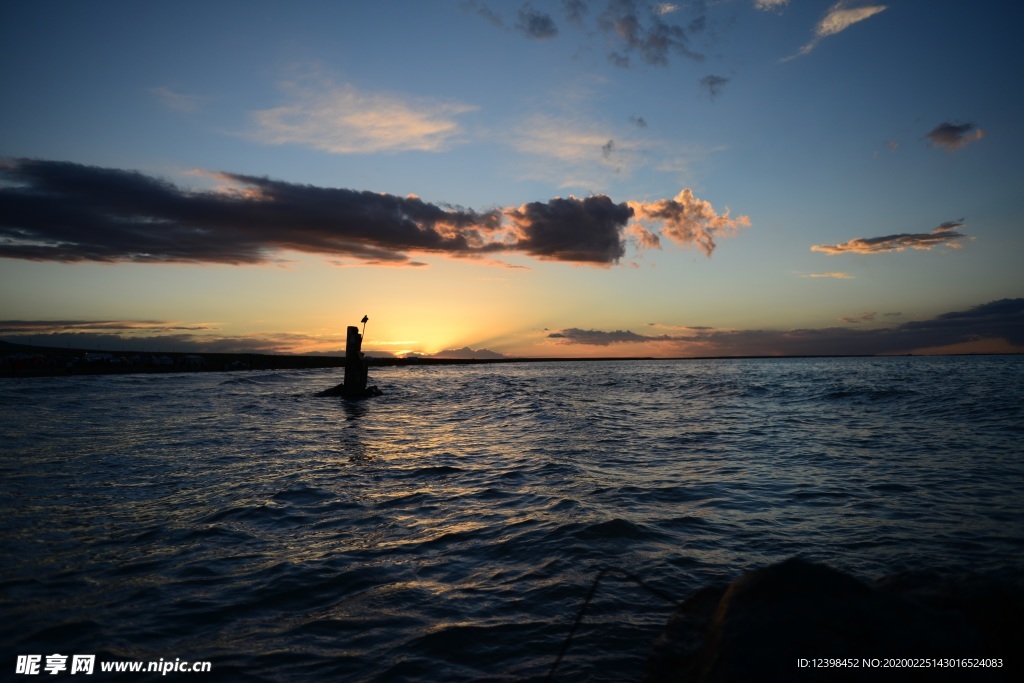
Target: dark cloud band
[[66, 212], [997, 320]]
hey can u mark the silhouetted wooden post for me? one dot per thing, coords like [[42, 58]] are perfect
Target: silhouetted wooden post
[[356, 369], [355, 366]]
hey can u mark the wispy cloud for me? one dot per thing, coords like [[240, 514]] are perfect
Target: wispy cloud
[[648, 35], [65, 212], [343, 120], [954, 135], [484, 11], [996, 326], [713, 85], [150, 340], [865, 317], [573, 151], [770, 5], [575, 10], [536, 24], [839, 18], [176, 100], [945, 235], [837, 276], [53, 326]]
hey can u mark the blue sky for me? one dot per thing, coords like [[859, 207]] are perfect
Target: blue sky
[[540, 178]]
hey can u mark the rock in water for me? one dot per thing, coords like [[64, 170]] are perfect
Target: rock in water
[[767, 623], [342, 391]]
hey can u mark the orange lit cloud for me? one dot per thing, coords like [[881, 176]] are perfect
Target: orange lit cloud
[[836, 20], [689, 221], [343, 120], [945, 235]]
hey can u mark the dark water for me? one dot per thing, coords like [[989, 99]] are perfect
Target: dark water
[[450, 529]]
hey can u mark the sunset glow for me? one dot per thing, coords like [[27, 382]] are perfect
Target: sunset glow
[[540, 180]]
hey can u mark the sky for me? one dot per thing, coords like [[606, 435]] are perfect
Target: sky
[[559, 178]]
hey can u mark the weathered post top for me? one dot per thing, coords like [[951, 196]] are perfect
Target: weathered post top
[[353, 342]]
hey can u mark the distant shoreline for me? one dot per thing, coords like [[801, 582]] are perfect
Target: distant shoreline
[[23, 360]]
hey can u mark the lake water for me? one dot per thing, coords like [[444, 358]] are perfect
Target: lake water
[[451, 528]]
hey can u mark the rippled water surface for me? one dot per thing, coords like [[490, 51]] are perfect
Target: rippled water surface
[[450, 529]]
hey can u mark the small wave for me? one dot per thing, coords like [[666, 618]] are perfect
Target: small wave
[[63, 634], [303, 496], [866, 394], [234, 381], [435, 471], [614, 529], [258, 378], [257, 514]]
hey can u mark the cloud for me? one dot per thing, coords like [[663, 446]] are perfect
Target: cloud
[[55, 326], [574, 10], [650, 37], [573, 151], [997, 326], [713, 85], [607, 148], [177, 101], [66, 212], [632, 28], [945, 235], [770, 5], [60, 211], [838, 276], [644, 238], [536, 24], [484, 11], [866, 317], [638, 121], [574, 335], [465, 353], [837, 20], [131, 341], [690, 221], [954, 135], [581, 230], [344, 120]]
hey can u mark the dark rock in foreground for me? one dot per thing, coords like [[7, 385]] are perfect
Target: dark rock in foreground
[[767, 623], [340, 390]]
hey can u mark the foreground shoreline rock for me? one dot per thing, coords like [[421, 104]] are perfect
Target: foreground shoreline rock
[[342, 391], [762, 625]]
